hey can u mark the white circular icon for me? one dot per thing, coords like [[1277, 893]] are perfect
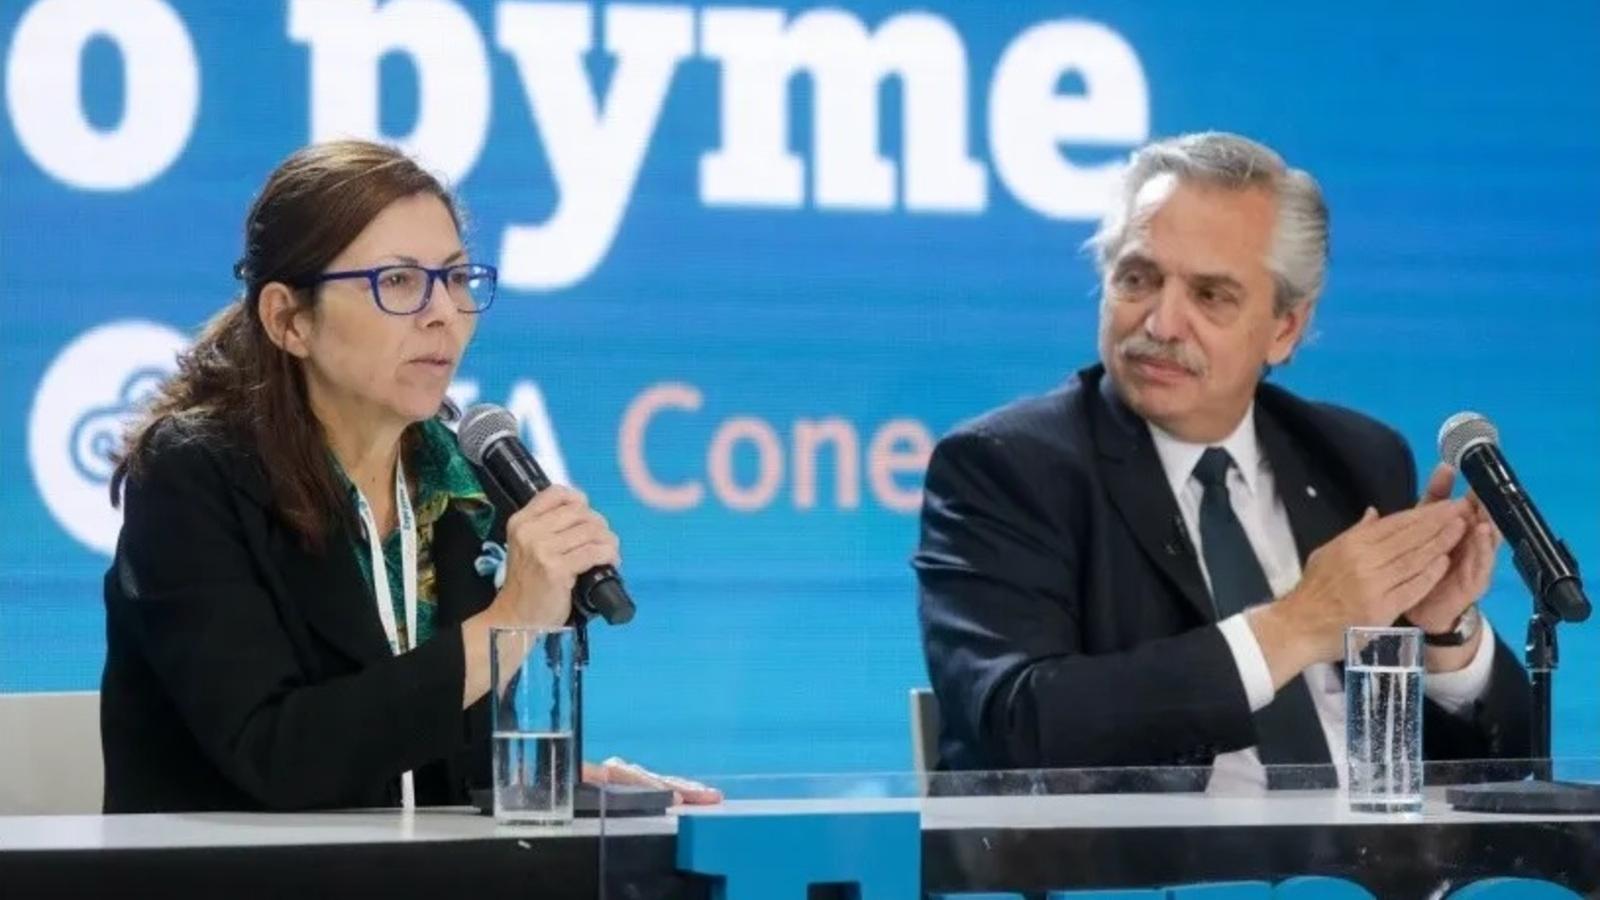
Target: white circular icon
[[84, 404]]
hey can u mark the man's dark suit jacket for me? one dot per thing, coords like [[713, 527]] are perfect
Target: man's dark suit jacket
[[244, 672], [1064, 615]]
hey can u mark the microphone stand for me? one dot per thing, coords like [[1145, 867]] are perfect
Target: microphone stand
[[1542, 658], [590, 801], [1542, 794], [586, 799]]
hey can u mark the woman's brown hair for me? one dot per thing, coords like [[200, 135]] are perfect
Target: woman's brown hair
[[235, 379]]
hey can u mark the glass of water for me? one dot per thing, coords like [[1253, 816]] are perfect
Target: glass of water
[[1383, 725], [531, 712]]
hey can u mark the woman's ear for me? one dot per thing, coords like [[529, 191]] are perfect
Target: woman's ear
[[282, 317]]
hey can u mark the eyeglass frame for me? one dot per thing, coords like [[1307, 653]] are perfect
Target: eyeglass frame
[[434, 275]]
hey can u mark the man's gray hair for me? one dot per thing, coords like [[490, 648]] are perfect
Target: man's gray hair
[[1299, 255]]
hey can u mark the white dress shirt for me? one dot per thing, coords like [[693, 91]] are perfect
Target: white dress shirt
[[1255, 500]]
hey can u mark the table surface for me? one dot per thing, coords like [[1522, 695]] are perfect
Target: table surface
[[1090, 811]]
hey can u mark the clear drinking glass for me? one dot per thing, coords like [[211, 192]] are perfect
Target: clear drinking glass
[[1383, 725], [531, 670]]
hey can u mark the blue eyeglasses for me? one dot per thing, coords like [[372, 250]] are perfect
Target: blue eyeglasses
[[404, 290]]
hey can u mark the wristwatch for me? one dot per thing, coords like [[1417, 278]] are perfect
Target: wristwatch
[[1464, 630]]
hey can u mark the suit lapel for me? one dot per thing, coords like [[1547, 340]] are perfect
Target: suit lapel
[[330, 591], [1138, 489], [1313, 504], [326, 587], [459, 590]]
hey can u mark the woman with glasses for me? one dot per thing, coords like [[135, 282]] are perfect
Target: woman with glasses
[[297, 614]]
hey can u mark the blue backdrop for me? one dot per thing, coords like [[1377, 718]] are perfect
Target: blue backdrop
[[742, 353]]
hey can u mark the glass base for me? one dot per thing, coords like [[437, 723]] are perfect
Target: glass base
[[533, 818], [1386, 804]]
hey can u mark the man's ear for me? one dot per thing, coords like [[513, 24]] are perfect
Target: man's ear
[[1289, 329]]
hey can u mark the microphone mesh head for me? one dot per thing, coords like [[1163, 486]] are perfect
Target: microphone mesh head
[[482, 425], [1463, 431]]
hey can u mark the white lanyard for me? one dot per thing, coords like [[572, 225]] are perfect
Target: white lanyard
[[408, 576]]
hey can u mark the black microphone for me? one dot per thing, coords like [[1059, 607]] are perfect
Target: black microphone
[[1471, 444], [489, 439]]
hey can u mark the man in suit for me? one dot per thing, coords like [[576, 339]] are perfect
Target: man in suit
[[1155, 564]]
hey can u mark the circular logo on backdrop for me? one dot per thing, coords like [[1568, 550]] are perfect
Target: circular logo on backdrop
[[84, 404]]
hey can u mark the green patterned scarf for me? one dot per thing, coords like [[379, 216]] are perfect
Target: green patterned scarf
[[443, 479]]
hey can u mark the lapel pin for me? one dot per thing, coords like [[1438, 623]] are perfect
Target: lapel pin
[[1311, 492]]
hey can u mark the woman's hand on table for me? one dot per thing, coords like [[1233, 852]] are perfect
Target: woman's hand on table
[[620, 771]]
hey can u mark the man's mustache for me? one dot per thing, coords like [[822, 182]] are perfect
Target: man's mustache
[[1142, 347]]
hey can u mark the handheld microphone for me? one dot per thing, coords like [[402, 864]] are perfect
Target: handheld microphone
[[489, 439], [1471, 444]]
